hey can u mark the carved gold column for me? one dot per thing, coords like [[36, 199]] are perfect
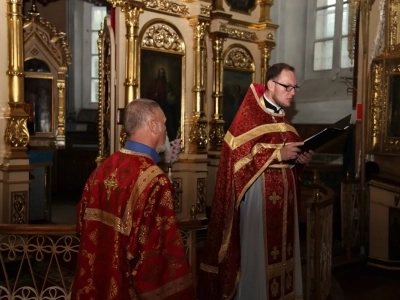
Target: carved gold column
[[16, 137], [15, 169], [60, 138], [217, 123], [197, 133], [132, 10], [266, 48], [265, 8]]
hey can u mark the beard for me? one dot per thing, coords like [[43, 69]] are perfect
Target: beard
[[166, 147]]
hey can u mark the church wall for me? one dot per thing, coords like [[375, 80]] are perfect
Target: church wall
[[323, 97], [291, 36]]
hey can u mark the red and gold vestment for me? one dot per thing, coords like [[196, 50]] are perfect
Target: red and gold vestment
[[251, 149], [130, 247]]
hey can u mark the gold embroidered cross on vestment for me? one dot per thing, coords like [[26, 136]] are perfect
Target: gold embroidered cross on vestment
[[275, 252], [111, 183], [274, 198]]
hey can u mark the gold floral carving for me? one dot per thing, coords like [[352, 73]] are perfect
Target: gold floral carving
[[238, 33], [201, 195], [239, 59], [16, 134], [19, 207], [217, 134], [162, 36], [167, 6], [205, 10], [394, 32]]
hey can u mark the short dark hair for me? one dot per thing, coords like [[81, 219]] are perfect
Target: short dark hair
[[137, 113], [276, 70]]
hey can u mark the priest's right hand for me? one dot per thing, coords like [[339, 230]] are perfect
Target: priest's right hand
[[291, 151]]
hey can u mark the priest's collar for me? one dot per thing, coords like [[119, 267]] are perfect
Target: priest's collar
[[271, 106], [142, 148]]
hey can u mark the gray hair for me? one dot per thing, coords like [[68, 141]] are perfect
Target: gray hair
[[137, 113]]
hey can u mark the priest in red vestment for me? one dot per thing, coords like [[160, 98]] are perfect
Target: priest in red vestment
[[130, 246], [252, 248]]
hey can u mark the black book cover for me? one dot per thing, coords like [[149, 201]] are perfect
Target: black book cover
[[326, 135]]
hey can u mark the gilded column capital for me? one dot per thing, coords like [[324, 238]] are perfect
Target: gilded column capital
[[266, 48], [265, 10]]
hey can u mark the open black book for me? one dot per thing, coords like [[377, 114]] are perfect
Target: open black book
[[326, 135]]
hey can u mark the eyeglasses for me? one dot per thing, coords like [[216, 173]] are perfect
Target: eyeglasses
[[288, 88]]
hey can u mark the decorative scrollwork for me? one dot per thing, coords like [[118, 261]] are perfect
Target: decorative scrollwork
[[201, 195], [205, 10], [238, 33], [162, 36], [167, 6], [19, 206], [16, 134], [238, 58]]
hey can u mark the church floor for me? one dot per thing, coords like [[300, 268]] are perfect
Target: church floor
[[350, 280], [358, 280]]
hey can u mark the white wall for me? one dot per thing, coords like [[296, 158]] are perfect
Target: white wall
[[323, 96]]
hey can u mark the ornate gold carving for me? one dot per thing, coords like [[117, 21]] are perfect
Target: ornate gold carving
[[44, 42], [19, 202], [61, 106], [198, 135], [167, 6], [177, 196], [16, 134], [50, 36], [238, 33], [266, 49], [201, 195], [393, 30], [238, 58], [205, 10], [161, 36], [217, 134]]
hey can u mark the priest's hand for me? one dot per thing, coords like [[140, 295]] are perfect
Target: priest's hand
[[305, 157], [291, 151]]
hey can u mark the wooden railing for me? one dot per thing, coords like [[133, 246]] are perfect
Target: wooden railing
[[319, 242], [38, 261]]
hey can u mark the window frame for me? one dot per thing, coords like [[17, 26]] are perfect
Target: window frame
[[310, 73]]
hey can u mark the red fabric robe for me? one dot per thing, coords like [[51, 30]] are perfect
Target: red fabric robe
[[251, 148], [131, 247]]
